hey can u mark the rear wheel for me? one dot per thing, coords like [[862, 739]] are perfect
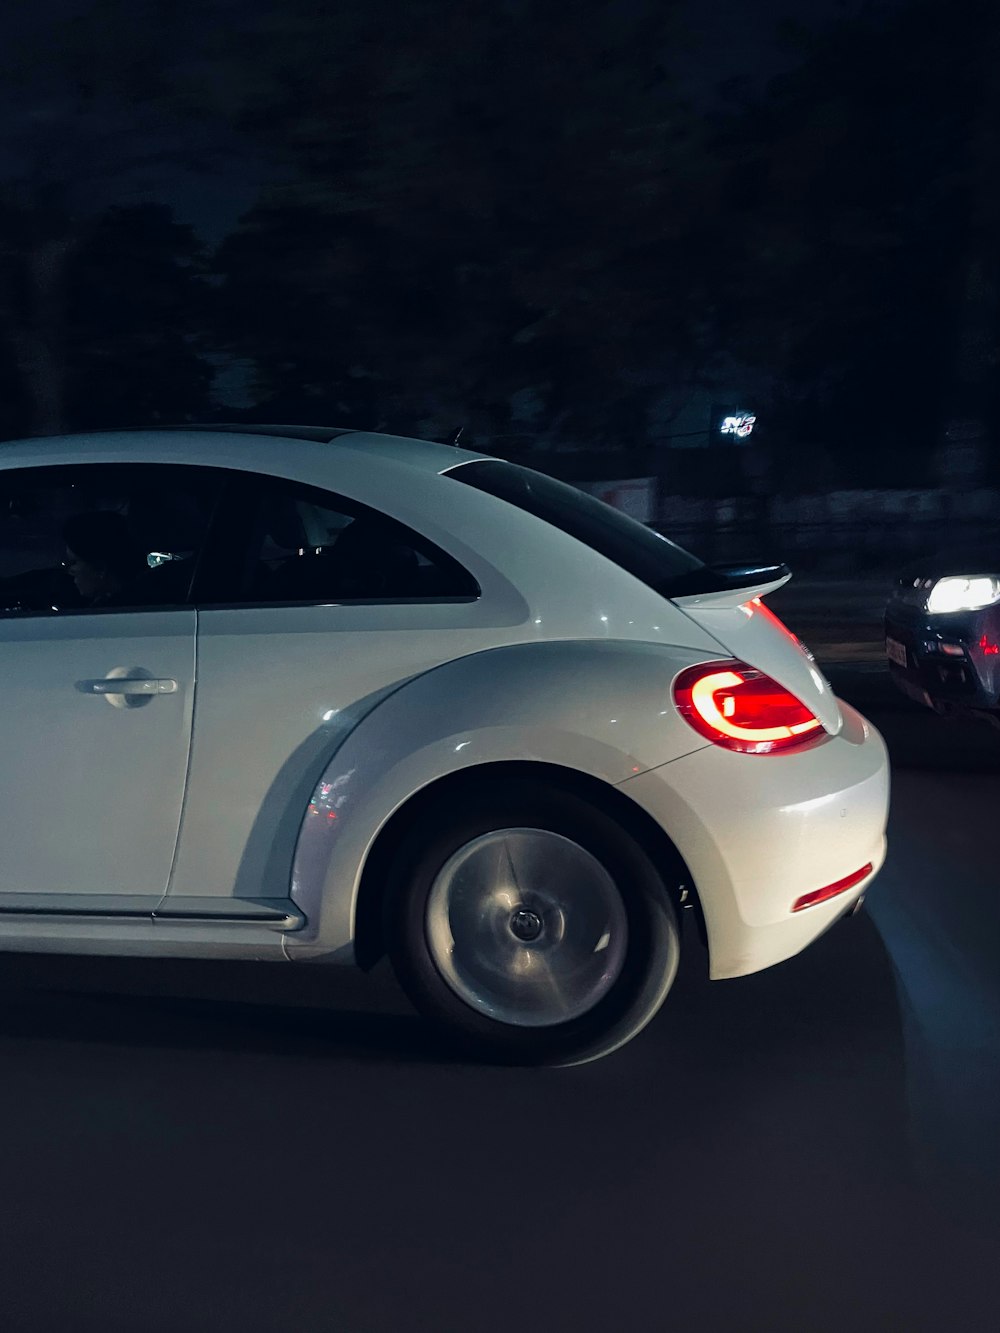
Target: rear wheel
[[531, 926]]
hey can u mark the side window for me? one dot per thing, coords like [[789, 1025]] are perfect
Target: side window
[[101, 537], [300, 544]]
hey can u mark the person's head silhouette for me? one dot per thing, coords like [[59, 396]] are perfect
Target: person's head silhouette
[[102, 557]]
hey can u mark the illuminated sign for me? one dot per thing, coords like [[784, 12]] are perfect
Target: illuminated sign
[[740, 426]]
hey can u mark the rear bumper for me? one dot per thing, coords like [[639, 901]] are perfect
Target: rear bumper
[[757, 832]]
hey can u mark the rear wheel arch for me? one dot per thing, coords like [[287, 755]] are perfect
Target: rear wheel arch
[[369, 935]]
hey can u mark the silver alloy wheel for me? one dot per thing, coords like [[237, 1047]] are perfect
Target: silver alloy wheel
[[527, 927]]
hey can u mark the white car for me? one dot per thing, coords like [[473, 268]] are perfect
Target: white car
[[302, 694]]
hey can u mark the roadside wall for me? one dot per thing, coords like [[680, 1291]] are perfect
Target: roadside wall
[[842, 532]]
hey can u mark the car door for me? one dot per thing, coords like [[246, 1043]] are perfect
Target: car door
[[98, 684], [316, 607]]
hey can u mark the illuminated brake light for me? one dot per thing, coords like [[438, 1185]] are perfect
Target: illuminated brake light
[[741, 709], [831, 890]]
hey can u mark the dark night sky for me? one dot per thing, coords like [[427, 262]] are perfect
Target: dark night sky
[[86, 120], [738, 38], [729, 38]]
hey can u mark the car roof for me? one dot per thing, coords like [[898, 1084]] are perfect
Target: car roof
[[426, 455]]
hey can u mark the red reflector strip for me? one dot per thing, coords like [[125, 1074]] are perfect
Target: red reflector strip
[[831, 890]]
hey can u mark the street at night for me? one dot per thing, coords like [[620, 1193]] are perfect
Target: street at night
[[257, 1146], [514, 848]]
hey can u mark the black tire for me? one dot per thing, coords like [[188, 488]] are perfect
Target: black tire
[[646, 954]]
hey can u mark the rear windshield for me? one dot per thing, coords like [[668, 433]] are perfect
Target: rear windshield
[[655, 560]]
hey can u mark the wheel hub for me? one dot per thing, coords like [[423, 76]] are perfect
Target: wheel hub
[[526, 925]]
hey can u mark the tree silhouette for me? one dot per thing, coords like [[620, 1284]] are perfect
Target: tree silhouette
[[482, 219], [100, 111], [846, 252]]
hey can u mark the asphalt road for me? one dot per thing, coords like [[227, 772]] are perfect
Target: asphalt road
[[215, 1147]]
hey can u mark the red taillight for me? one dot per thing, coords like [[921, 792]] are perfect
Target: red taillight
[[831, 890], [740, 708]]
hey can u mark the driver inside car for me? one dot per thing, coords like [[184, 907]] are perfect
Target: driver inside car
[[102, 557]]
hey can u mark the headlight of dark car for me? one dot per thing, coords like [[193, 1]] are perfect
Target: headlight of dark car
[[963, 592]]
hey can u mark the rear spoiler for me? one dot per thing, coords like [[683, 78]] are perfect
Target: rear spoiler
[[721, 586]]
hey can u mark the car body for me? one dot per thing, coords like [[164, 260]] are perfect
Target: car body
[[942, 634], [348, 660]]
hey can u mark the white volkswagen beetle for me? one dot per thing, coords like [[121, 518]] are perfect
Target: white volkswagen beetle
[[307, 694]]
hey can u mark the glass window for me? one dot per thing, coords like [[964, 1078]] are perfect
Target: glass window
[[652, 558], [102, 537], [284, 542]]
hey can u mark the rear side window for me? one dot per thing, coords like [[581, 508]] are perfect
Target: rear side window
[[655, 560], [282, 542]]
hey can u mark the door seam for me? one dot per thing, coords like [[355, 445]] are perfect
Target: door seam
[[187, 767]]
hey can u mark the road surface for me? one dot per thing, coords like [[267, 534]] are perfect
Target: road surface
[[189, 1147]]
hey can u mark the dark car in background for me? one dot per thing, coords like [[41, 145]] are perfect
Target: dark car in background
[[942, 634]]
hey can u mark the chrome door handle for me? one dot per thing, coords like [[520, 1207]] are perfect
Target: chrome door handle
[[129, 685]]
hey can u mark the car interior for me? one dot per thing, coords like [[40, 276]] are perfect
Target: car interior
[[295, 548]]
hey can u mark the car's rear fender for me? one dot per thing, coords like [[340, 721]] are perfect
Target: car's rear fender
[[599, 708], [753, 633]]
